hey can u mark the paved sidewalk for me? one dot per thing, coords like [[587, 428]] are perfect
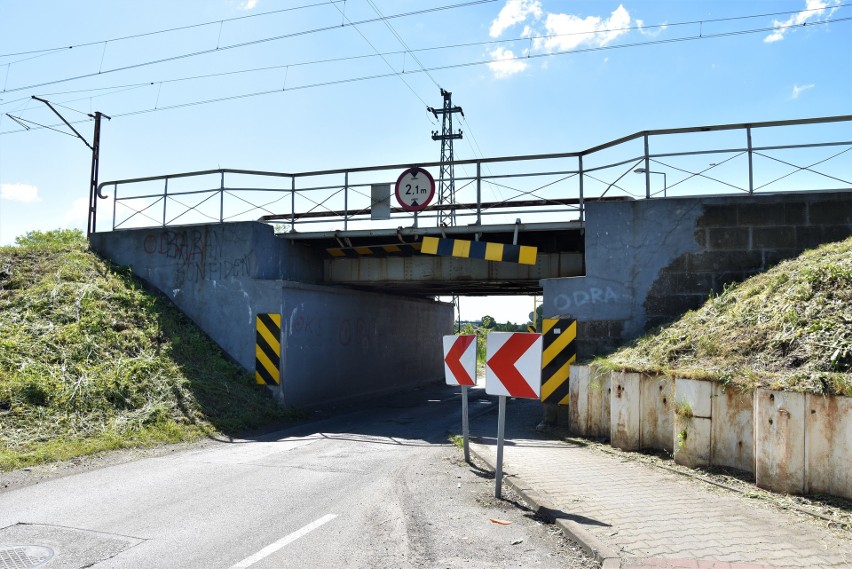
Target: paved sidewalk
[[631, 514]]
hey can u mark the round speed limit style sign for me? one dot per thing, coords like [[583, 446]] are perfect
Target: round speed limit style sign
[[415, 188]]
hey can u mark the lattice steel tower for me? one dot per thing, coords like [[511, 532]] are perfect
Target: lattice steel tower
[[447, 181]]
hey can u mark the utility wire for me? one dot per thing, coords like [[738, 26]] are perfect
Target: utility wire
[[47, 51], [245, 44], [396, 73], [402, 42], [413, 51], [456, 66], [273, 12]]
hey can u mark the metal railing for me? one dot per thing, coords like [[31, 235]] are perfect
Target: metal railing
[[805, 154]]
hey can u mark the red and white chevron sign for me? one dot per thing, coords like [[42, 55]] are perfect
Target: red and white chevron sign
[[513, 364], [460, 359]]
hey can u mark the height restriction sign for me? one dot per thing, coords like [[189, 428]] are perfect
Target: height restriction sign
[[415, 188]]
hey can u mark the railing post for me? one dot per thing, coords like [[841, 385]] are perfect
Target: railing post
[[647, 170], [165, 200], [345, 201], [292, 203], [582, 203], [114, 203], [750, 164], [479, 193], [222, 197]]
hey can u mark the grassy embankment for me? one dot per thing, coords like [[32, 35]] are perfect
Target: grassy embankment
[[91, 361], [788, 329]]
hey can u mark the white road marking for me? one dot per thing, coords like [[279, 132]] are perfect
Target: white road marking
[[270, 549]]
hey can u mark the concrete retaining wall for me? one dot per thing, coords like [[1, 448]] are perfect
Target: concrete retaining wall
[[337, 343], [649, 261], [793, 442]]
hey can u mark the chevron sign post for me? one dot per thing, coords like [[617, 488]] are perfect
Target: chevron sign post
[[513, 364], [460, 359], [512, 369], [460, 369]]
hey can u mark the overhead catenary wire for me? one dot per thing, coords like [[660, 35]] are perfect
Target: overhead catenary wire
[[242, 44], [413, 52], [402, 42], [327, 2], [456, 66], [48, 51], [401, 78]]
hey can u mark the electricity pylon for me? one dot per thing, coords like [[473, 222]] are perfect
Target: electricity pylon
[[447, 183]]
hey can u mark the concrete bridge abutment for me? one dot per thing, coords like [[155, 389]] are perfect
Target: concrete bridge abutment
[[336, 343], [650, 261]]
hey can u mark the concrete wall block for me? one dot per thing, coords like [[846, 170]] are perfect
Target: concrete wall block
[[795, 214], [692, 436], [782, 237], [772, 257], [828, 444], [719, 215], [578, 407], [693, 283], [780, 441], [624, 409], [693, 397], [728, 238], [656, 409], [733, 429], [673, 304], [809, 237], [832, 233], [773, 214], [723, 279], [831, 212], [600, 390], [716, 261]]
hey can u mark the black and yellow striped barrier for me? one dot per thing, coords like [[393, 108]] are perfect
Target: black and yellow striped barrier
[[267, 349], [558, 353], [400, 249], [523, 254]]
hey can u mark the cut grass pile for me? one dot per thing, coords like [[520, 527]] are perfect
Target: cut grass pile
[[788, 329], [91, 361]]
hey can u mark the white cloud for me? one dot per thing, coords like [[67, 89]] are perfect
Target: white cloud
[[814, 10], [23, 193], [79, 212], [562, 32], [568, 31], [514, 12], [504, 63], [656, 31], [248, 5], [798, 90]]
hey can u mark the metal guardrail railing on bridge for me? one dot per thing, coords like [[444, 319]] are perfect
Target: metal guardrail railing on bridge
[[777, 156]]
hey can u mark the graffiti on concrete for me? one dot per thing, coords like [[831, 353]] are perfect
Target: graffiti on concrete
[[358, 330], [310, 325], [198, 255], [594, 295]]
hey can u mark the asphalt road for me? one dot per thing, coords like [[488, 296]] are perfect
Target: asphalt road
[[377, 488]]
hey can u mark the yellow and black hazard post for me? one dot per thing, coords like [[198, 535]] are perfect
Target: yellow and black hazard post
[[558, 353], [268, 349]]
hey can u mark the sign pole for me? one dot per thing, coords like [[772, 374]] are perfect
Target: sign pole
[[501, 431], [465, 425]]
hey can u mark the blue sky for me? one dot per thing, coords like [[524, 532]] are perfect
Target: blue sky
[[533, 76]]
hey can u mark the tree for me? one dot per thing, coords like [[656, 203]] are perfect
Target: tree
[[488, 322], [54, 237]]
